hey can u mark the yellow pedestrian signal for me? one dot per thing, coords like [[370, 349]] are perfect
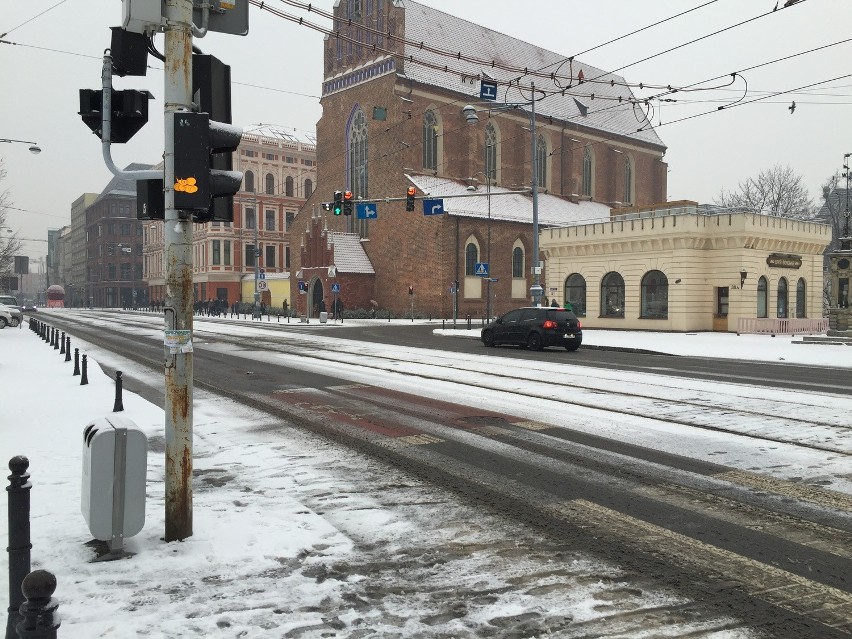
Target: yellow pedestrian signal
[[187, 186]]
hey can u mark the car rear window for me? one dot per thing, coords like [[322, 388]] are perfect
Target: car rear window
[[559, 314]]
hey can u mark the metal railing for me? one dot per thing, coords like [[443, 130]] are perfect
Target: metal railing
[[781, 326]]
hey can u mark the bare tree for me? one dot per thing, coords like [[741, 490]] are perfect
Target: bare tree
[[777, 191], [9, 243]]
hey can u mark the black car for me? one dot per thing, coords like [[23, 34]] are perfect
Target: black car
[[535, 327]]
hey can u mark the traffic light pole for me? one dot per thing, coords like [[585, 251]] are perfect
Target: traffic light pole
[[179, 289]]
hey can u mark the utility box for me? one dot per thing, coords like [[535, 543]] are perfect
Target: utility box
[[115, 463]]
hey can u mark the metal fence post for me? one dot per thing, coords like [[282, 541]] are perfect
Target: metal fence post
[[40, 620], [119, 405], [19, 537], [85, 377]]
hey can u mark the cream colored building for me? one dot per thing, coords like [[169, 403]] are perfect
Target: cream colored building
[[676, 267]]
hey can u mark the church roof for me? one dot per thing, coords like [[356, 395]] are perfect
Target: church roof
[[442, 30], [349, 254], [508, 205]]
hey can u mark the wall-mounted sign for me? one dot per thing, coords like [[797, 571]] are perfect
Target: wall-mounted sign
[[780, 260]]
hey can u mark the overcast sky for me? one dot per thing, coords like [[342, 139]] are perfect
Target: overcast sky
[[277, 73]]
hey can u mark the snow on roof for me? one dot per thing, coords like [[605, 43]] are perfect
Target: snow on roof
[[122, 186], [287, 134], [349, 254], [514, 207], [425, 24]]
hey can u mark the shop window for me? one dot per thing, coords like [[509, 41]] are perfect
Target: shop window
[[762, 297], [801, 300], [575, 293], [612, 295], [655, 296], [781, 305]]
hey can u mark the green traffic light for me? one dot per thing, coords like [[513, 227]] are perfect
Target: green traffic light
[[337, 210]]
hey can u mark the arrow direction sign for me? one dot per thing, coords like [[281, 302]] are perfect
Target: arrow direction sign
[[366, 211], [434, 206], [487, 90], [480, 269]]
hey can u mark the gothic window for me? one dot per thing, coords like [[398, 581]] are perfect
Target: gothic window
[[588, 170], [627, 197], [517, 262], [430, 141], [358, 166], [541, 162], [491, 152], [471, 257]]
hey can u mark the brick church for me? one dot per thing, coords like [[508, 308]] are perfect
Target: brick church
[[397, 113]]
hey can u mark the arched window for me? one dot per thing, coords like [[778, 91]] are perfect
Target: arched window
[[248, 182], [628, 180], [270, 184], [655, 296], [541, 162], [801, 300], [517, 262], [762, 292], [430, 141], [588, 169], [781, 306], [491, 152], [612, 295], [309, 188], [575, 293], [358, 166], [288, 186], [471, 257]]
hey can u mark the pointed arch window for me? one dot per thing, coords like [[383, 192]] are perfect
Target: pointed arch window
[[588, 169], [471, 257], [627, 196], [541, 162], [288, 186], [358, 167], [430, 141], [517, 262], [491, 152]]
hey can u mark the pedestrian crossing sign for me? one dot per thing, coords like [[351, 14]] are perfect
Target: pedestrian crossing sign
[[480, 269]]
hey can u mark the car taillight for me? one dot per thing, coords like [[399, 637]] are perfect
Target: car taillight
[[549, 324], [579, 324]]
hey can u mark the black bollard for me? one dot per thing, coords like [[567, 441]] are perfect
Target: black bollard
[[19, 537], [56, 340], [119, 405], [40, 620], [67, 348], [84, 379], [62, 344], [76, 361]]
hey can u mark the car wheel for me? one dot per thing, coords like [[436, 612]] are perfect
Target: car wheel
[[571, 347], [534, 342], [14, 323], [2, 322], [488, 338]]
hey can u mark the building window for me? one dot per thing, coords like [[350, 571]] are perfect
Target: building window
[[762, 293], [471, 257], [111, 272], [588, 170], [248, 181], [217, 253], [270, 257], [270, 221], [517, 262], [781, 307], [250, 257], [126, 271], [491, 152], [270, 184], [612, 295], [288, 186], [722, 301], [250, 219], [430, 141], [226, 252], [541, 162], [286, 257], [801, 301], [289, 216], [575, 293], [655, 296], [358, 166], [309, 188], [628, 180]]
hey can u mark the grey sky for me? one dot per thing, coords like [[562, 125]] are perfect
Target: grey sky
[[277, 71]]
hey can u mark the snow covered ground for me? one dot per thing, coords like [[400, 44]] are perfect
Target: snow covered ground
[[296, 537]]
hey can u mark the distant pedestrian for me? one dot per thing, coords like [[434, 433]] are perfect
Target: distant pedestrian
[[567, 306], [554, 303]]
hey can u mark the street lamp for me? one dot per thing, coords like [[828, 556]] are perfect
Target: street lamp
[[469, 112], [34, 147]]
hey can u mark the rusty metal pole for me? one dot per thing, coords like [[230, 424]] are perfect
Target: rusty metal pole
[[179, 289]]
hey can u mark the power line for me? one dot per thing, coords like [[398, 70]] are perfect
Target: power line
[[3, 35]]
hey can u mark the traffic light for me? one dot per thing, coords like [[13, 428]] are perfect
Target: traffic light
[[338, 202], [409, 198], [347, 203], [129, 112], [198, 183], [411, 290]]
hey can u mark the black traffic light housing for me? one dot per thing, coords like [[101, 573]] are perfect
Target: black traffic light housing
[[197, 182], [409, 198], [338, 203], [129, 112], [347, 203]]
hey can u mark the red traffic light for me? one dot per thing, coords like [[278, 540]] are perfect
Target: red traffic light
[[409, 198], [347, 203], [411, 190], [411, 290]]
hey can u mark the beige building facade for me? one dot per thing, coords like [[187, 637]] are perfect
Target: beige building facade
[[674, 267]]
